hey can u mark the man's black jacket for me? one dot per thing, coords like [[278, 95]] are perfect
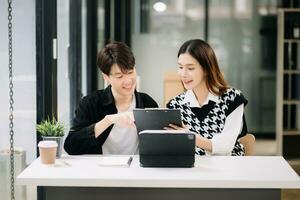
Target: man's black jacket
[[93, 108]]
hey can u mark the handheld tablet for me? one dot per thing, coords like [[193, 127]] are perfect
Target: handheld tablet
[[156, 119]]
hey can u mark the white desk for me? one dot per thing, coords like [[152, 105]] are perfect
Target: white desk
[[212, 177]]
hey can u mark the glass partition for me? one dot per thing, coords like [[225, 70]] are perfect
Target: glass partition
[[244, 35], [63, 79], [24, 88], [160, 27]]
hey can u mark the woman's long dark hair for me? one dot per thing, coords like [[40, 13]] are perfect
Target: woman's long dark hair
[[206, 57]]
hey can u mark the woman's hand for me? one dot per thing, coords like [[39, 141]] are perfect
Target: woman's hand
[[201, 141], [176, 127]]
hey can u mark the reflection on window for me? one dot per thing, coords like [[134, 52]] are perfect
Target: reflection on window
[[169, 16], [159, 31], [243, 35]]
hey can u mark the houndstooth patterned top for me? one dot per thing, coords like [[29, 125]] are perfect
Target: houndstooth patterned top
[[214, 120]]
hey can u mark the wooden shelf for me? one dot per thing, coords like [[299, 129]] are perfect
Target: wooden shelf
[[291, 132], [292, 40], [291, 71], [291, 102], [288, 9], [287, 139]]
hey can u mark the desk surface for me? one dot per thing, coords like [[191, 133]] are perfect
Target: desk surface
[[209, 172]]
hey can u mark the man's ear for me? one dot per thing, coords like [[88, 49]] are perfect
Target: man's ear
[[106, 78]]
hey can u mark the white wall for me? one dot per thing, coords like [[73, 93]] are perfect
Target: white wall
[[24, 69]]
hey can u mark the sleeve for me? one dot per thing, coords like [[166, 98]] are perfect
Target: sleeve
[[223, 143], [81, 138]]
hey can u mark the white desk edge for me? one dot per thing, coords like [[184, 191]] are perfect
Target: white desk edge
[[272, 172]]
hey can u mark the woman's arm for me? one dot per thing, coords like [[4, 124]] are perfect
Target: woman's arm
[[223, 143], [203, 143]]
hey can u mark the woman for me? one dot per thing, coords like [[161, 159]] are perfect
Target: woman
[[209, 106], [104, 122]]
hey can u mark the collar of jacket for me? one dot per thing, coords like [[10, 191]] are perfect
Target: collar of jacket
[[108, 98]]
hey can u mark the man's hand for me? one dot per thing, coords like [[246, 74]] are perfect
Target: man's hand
[[125, 119]]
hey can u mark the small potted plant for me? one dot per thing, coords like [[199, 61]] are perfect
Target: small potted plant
[[52, 130]]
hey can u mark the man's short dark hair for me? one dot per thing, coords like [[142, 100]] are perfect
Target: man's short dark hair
[[115, 53]]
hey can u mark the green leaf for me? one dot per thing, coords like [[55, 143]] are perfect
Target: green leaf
[[51, 128]]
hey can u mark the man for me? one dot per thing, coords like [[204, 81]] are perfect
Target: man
[[104, 122]]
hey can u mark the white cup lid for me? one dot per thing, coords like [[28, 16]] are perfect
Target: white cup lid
[[47, 144]]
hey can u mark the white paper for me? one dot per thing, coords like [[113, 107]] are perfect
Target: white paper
[[111, 161]]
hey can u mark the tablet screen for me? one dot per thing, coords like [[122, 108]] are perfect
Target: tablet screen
[[156, 119]]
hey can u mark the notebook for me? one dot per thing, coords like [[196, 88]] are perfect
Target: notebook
[[115, 161]]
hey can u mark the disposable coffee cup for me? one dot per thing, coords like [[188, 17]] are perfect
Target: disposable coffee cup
[[47, 151]]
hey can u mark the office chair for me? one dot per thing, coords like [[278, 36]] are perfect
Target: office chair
[[248, 142]]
